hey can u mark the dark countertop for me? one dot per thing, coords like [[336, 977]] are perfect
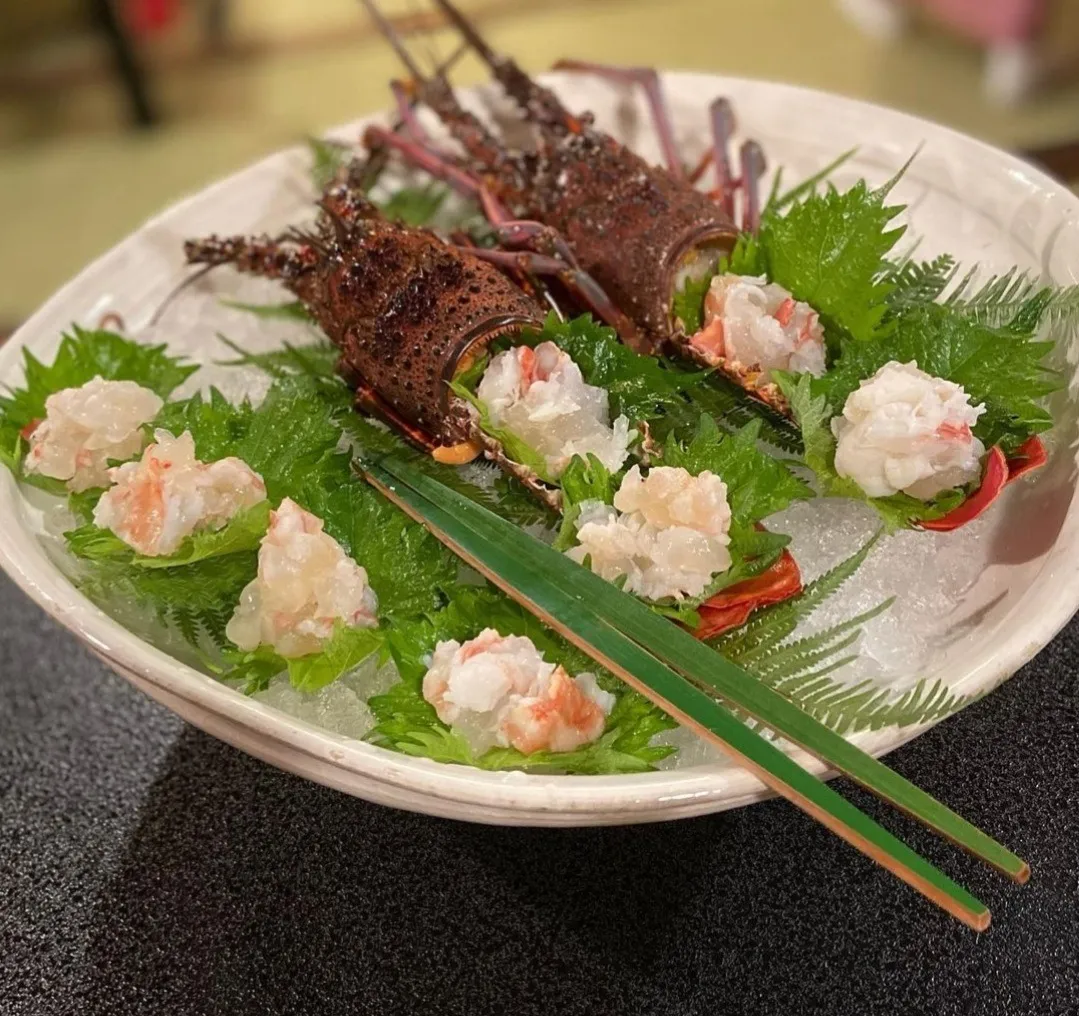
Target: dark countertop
[[147, 868]]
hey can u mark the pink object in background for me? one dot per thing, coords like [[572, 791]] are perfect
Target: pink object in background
[[989, 22], [1011, 32]]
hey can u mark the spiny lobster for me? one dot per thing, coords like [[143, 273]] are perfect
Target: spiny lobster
[[406, 310], [618, 231]]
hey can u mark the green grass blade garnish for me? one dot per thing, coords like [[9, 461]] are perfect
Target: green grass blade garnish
[[541, 588], [703, 665]]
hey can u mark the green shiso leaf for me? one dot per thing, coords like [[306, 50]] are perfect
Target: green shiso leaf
[[688, 303], [999, 367], [640, 388], [757, 484], [285, 440], [215, 424], [582, 481], [409, 724], [83, 355], [346, 649], [408, 569], [828, 249], [242, 532]]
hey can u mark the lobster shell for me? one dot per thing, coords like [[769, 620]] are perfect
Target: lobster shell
[[406, 310], [630, 225]]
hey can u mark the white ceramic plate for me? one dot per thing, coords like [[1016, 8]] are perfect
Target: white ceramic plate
[[978, 203]]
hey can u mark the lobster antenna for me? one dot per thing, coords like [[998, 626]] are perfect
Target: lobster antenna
[[177, 290], [393, 37], [472, 37], [364, 179], [305, 238]]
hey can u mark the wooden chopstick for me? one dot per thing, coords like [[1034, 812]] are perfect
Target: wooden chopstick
[[565, 613]]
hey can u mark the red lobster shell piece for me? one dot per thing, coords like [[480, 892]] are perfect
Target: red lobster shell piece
[[406, 310], [731, 607], [999, 472]]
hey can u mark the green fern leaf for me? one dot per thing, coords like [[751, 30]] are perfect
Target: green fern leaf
[[918, 282], [1017, 302], [770, 626], [792, 656], [293, 310]]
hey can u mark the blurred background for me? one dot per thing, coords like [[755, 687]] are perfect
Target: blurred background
[[111, 109]]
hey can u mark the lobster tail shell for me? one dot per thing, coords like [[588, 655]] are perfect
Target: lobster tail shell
[[405, 310], [629, 224]]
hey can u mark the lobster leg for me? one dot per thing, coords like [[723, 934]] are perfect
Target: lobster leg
[[524, 234], [752, 168], [372, 168], [420, 155], [406, 115], [435, 92], [722, 121], [580, 284], [648, 79], [539, 103], [701, 168]]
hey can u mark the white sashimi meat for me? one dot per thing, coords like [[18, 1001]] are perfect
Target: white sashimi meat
[[168, 494], [498, 689], [905, 430], [667, 533], [86, 427], [306, 583], [540, 395], [756, 323]]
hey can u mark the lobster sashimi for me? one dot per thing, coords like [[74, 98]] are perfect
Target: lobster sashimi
[[674, 521], [452, 354]]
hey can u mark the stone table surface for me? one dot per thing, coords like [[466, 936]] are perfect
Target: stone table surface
[[147, 868]]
